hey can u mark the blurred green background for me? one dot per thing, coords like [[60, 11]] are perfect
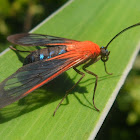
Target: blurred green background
[[123, 120], [22, 15]]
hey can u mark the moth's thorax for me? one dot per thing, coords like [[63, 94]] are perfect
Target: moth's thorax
[[85, 46]]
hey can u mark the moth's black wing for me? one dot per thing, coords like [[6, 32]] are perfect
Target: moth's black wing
[[32, 76], [27, 39]]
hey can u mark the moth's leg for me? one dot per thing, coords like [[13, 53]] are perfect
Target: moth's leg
[[96, 76], [60, 103], [83, 74], [106, 69], [67, 92], [79, 72], [12, 48]]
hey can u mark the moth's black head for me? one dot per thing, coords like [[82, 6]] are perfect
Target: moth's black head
[[104, 54]]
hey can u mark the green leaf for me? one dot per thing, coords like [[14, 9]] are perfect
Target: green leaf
[[98, 21]]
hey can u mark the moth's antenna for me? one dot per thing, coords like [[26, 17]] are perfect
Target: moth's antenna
[[137, 24]]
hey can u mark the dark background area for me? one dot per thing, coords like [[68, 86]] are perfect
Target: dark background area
[[18, 16], [123, 120]]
